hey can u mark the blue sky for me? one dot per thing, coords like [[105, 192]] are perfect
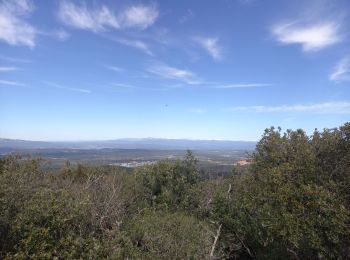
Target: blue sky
[[224, 69]]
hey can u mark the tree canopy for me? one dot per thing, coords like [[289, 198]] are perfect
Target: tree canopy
[[291, 202]]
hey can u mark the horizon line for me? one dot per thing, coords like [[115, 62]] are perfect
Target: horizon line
[[125, 138]]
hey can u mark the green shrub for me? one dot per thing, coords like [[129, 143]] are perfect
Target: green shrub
[[159, 235]]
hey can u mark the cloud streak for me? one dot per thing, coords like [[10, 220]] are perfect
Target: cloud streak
[[319, 108], [61, 34], [211, 46], [198, 110], [244, 85], [81, 17], [137, 44], [14, 29], [140, 16], [8, 69], [312, 37], [341, 72], [102, 18], [123, 86], [168, 72], [186, 17], [15, 60], [114, 68], [190, 78], [12, 83], [58, 86]]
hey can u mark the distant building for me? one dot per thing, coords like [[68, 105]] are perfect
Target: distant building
[[133, 164], [242, 162]]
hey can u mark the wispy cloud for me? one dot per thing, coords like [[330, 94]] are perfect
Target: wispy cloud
[[312, 37], [198, 110], [186, 17], [244, 85], [114, 68], [117, 87], [58, 86], [319, 108], [58, 34], [101, 18], [140, 16], [12, 59], [82, 17], [341, 71], [169, 72], [12, 83], [6, 69], [61, 34], [14, 29], [140, 45], [190, 78], [211, 45], [123, 85]]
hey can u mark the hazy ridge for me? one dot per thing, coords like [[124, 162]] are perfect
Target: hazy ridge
[[131, 143]]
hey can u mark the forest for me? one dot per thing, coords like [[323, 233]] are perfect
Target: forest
[[291, 202]]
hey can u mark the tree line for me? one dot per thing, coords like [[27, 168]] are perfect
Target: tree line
[[291, 202]]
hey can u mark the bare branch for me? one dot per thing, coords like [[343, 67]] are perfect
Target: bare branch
[[215, 241]]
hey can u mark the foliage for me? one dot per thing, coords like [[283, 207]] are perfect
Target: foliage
[[159, 235], [292, 201], [166, 184], [284, 208]]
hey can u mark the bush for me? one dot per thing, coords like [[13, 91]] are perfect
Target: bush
[[159, 235], [283, 208]]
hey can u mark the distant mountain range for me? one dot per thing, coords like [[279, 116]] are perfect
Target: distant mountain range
[[131, 143]]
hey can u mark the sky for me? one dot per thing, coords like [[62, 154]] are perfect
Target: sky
[[223, 69]]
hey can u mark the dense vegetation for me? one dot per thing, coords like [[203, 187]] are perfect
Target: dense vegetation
[[291, 202]]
